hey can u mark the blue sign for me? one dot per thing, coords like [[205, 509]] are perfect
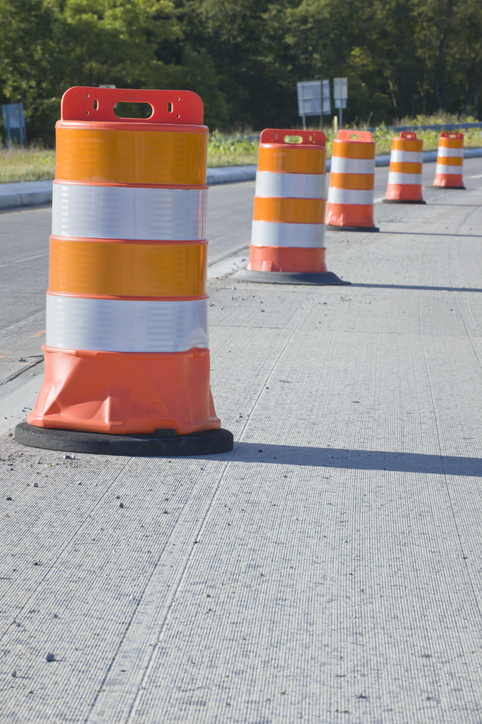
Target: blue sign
[[14, 123]]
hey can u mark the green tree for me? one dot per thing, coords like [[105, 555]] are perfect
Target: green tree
[[47, 46], [465, 59], [244, 57], [247, 45]]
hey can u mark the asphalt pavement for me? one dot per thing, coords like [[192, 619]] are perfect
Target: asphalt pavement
[[328, 568]]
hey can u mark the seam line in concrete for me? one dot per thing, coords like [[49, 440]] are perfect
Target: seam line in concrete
[[445, 474]]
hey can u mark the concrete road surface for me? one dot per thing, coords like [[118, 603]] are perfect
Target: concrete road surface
[[329, 568]]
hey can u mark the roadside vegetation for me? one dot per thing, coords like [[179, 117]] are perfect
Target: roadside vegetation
[[244, 57], [232, 150], [35, 163], [383, 136], [26, 164]]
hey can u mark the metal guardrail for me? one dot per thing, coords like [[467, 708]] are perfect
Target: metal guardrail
[[431, 127]]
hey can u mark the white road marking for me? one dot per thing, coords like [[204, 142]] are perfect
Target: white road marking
[[27, 258]]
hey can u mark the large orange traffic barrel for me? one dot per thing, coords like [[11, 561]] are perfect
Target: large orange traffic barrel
[[449, 172], [288, 229], [352, 182], [405, 175], [127, 355]]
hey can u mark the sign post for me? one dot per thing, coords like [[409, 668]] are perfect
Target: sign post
[[313, 99], [340, 95]]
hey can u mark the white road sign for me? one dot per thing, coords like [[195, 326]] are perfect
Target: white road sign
[[313, 98], [340, 92]]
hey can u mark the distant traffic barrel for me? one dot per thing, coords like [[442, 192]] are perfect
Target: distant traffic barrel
[[405, 175], [352, 182], [288, 228], [450, 161], [127, 348]]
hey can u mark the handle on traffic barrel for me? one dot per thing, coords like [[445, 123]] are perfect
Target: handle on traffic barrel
[[97, 104], [346, 135], [447, 134], [409, 135], [293, 138]]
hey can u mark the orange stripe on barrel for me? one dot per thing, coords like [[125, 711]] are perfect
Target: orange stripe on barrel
[[402, 144], [357, 181], [295, 211], [353, 149], [451, 142], [283, 159], [450, 160], [127, 270], [400, 167], [131, 157]]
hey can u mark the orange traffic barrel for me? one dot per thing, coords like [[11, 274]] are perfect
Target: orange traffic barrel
[[352, 182], [127, 355], [450, 162], [405, 175], [288, 229]]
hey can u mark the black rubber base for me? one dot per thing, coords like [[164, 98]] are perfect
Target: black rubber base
[[397, 201], [449, 188], [260, 277], [352, 228], [163, 444]]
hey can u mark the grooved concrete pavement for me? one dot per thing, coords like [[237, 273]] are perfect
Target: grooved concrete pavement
[[328, 569]]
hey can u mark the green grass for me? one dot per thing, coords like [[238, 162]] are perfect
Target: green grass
[[29, 164], [37, 164], [236, 150]]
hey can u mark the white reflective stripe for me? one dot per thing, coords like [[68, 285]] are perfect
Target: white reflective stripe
[[450, 152], [406, 156], [352, 165], [114, 325], [272, 233], [405, 178], [452, 170], [350, 196], [290, 185], [117, 212]]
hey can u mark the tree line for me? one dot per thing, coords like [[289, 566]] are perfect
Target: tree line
[[244, 57]]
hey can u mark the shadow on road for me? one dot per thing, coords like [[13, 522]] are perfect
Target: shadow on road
[[321, 457]]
